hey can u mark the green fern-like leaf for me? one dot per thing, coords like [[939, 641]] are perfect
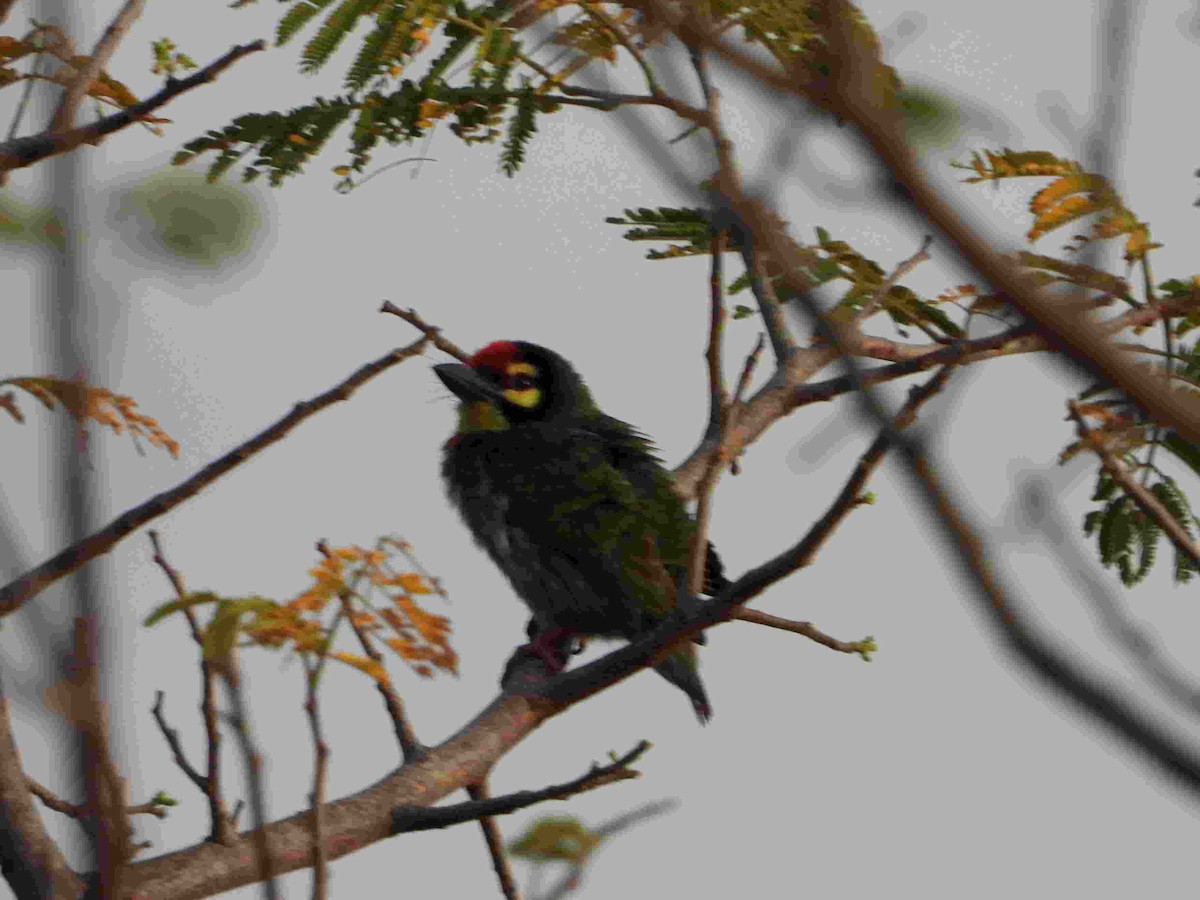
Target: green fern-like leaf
[[370, 56], [521, 127], [668, 224], [1148, 537], [338, 24], [285, 141], [1106, 486], [296, 18], [1176, 502], [459, 42], [1116, 531]]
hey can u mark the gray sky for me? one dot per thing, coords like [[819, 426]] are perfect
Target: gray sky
[[936, 766]]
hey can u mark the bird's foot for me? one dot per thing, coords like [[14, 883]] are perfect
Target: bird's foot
[[552, 647]]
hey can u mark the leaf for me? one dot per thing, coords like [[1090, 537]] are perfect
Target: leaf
[[521, 128], [296, 18], [364, 664], [189, 601], [87, 402], [222, 631], [556, 838], [1183, 449]]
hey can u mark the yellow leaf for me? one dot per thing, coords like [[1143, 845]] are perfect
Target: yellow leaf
[[364, 664], [413, 583]]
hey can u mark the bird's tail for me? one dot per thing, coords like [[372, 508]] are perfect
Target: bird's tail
[[680, 667]]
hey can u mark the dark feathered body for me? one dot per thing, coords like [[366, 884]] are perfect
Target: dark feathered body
[[575, 509]]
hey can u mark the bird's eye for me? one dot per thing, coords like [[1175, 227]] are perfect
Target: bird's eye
[[521, 382]]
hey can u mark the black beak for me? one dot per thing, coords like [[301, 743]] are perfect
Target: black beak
[[467, 384]]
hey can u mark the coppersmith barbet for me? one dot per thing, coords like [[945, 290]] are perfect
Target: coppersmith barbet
[[572, 505]]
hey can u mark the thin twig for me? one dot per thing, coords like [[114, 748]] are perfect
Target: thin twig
[[596, 13], [32, 583], [229, 670], [411, 749], [25, 151], [718, 412], [312, 709], [172, 737], [77, 87], [1146, 501], [221, 828], [495, 844], [863, 648], [903, 268], [739, 394], [411, 818], [433, 333], [56, 803]]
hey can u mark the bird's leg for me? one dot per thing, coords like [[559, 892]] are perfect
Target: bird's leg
[[548, 645]]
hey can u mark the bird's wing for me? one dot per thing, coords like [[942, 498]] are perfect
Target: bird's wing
[[597, 526]]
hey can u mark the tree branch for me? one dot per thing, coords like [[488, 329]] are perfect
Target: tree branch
[[32, 583], [220, 823], [863, 648], [409, 818], [432, 332], [495, 843], [34, 866], [25, 151]]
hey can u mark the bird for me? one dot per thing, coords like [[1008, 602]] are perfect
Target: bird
[[573, 506]]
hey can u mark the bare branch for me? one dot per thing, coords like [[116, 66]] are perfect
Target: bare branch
[[432, 332], [172, 738], [25, 151], [219, 821], [32, 583], [863, 648], [77, 87], [718, 412], [56, 803], [317, 799], [495, 844], [409, 818]]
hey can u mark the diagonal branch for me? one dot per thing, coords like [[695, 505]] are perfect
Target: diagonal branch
[[171, 735], [408, 818], [863, 648], [25, 151], [432, 332], [1066, 325], [32, 583]]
